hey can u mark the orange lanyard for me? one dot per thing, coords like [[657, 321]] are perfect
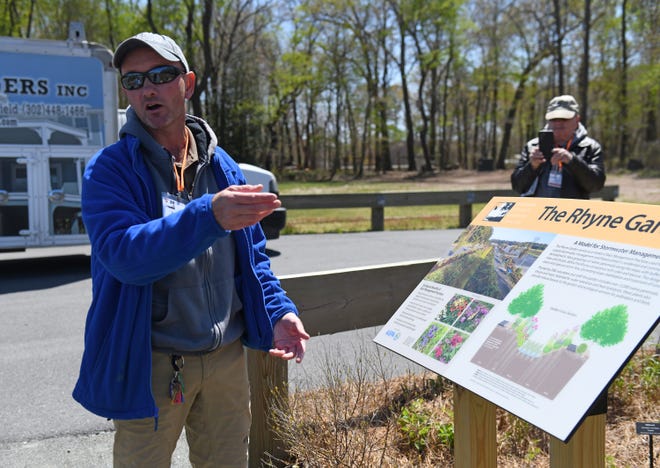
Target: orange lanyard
[[180, 181], [568, 145]]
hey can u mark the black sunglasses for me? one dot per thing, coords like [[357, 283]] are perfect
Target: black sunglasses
[[159, 75]]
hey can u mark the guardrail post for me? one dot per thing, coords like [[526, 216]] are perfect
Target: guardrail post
[[465, 210], [464, 215], [378, 214], [475, 434], [266, 374]]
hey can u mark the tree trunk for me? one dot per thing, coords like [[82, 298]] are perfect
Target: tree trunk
[[444, 145], [559, 54], [623, 120], [336, 155], [511, 113], [310, 160], [423, 132], [410, 128], [150, 17], [297, 139], [385, 152], [583, 80], [201, 84], [494, 117], [433, 119]]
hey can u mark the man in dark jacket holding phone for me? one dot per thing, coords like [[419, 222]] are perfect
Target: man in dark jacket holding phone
[[573, 166]]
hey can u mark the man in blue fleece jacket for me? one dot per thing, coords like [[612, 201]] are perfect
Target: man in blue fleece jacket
[[181, 281]]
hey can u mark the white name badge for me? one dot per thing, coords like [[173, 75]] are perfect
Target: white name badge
[[171, 204], [554, 180]]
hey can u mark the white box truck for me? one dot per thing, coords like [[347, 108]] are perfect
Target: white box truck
[[58, 106]]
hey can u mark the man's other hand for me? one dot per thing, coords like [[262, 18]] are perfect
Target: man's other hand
[[290, 338]]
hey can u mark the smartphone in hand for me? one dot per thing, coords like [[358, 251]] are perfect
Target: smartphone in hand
[[546, 142]]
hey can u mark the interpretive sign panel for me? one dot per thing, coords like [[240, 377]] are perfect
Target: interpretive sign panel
[[537, 306]]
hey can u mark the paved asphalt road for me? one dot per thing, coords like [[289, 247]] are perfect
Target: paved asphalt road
[[44, 294]]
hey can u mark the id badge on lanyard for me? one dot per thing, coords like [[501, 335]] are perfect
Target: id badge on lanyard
[[172, 204], [554, 179]]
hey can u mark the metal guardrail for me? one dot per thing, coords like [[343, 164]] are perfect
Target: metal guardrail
[[379, 201]]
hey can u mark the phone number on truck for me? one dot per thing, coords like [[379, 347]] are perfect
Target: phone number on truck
[[46, 110]]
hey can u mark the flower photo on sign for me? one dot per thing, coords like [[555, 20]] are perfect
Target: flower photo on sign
[[472, 315], [433, 333], [454, 308], [448, 346]]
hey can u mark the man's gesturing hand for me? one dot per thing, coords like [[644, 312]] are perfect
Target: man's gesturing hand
[[289, 338], [239, 206]]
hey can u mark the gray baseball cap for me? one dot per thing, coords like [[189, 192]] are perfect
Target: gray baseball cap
[[562, 107], [162, 45]]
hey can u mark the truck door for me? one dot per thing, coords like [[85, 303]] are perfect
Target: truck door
[[40, 196], [63, 211], [14, 200]]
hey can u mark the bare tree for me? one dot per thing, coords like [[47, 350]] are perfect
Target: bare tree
[[583, 80], [558, 40], [402, 19], [526, 22], [623, 88]]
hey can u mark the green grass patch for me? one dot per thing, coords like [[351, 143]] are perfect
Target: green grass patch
[[343, 220]]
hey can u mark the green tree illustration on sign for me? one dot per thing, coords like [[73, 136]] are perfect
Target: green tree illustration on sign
[[607, 327], [528, 303]]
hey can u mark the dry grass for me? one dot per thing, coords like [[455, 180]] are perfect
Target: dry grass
[[361, 417]]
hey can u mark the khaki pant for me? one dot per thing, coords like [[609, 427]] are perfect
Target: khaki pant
[[215, 413]]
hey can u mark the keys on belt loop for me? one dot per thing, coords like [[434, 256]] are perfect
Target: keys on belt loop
[[176, 384]]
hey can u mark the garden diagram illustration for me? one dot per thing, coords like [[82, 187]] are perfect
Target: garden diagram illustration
[[489, 261], [546, 367]]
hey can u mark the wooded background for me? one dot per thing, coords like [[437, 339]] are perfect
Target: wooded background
[[363, 86]]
